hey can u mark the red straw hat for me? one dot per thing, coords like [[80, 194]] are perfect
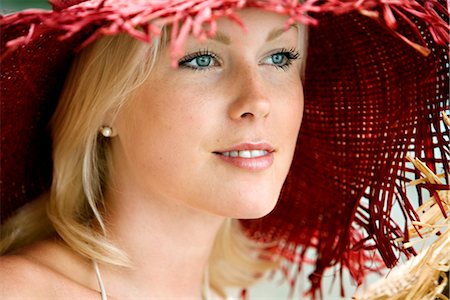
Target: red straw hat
[[376, 83]]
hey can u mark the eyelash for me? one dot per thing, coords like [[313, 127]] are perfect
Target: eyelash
[[290, 54], [190, 57]]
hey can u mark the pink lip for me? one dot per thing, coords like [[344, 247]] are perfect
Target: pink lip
[[252, 164], [249, 146]]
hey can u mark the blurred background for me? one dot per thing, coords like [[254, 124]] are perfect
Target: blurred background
[[7, 6]]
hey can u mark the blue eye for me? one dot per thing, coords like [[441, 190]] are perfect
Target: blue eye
[[278, 58], [199, 61], [282, 59], [203, 61]]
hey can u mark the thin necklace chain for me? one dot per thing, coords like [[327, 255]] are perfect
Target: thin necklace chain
[[101, 285], [100, 281]]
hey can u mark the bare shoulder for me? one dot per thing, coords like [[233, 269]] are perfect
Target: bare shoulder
[[22, 278], [45, 271]]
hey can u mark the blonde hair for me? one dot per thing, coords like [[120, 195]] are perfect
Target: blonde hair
[[103, 77]]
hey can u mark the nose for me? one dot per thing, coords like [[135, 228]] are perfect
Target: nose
[[251, 100]]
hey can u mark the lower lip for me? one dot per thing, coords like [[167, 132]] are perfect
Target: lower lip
[[252, 164]]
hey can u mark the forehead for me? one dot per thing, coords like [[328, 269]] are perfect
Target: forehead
[[225, 26], [255, 22], [258, 27]]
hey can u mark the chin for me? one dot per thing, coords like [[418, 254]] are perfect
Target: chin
[[255, 205]]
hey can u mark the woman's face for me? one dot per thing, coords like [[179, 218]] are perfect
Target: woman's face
[[216, 134]]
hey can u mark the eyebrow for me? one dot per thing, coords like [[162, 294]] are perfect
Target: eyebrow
[[221, 38], [225, 39], [277, 32]]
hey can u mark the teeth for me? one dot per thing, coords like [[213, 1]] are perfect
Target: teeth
[[246, 153]]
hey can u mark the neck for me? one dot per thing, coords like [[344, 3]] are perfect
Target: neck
[[168, 244]]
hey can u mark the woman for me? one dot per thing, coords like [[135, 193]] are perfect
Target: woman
[[158, 149]]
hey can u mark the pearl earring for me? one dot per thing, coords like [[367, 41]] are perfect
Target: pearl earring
[[106, 131]]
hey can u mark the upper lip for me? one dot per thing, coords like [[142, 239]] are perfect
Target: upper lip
[[249, 146]]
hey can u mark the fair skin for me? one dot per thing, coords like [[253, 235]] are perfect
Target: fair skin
[[173, 181]]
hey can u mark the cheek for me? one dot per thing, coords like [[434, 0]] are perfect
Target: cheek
[[292, 111], [165, 133], [298, 105], [289, 121], [160, 152]]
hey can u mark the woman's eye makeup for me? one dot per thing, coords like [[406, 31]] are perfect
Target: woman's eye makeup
[[200, 60], [282, 58], [205, 59]]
